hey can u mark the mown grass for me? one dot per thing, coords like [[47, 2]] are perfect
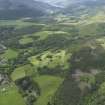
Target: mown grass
[[26, 40], [45, 34], [21, 72], [11, 96], [17, 23], [48, 85], [10, 54]]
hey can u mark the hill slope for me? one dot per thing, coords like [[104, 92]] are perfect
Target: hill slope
[[23, 8]]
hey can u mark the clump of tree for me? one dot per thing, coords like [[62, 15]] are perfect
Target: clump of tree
[[85, 59], [88, 58], [30, 90]]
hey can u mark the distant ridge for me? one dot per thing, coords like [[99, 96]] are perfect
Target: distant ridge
[[23, 8]]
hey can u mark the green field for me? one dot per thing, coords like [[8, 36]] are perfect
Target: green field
[[19, 23], [11, 96], [45, 34], [22, 72], [26, 40], [48, 85], [10, 54]]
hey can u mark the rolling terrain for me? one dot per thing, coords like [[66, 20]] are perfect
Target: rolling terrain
[[52, 55], [13, 9]]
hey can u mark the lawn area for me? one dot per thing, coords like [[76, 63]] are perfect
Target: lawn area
[[11, 96], [18, 23], [48, 85], [45, 34], [10, 54], [88, 29], [26, 40], [21, 72]]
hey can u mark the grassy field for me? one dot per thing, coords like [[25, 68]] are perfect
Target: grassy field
[[21, 72], [10, 54], [18, 23], [26, 40], [48, 85], [45, 34], [11, 96]]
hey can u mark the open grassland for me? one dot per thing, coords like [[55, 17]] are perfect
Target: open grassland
[[25, 40], [45, 34], [48, 85], [11, 96], [18, 23], [10, 54], [22, 72]]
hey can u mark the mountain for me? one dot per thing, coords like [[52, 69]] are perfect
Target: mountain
[[23, 8], [79, 7], [58, 3], [71, 2]]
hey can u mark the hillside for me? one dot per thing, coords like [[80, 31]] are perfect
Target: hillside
[[82, 7], [25, 8]]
